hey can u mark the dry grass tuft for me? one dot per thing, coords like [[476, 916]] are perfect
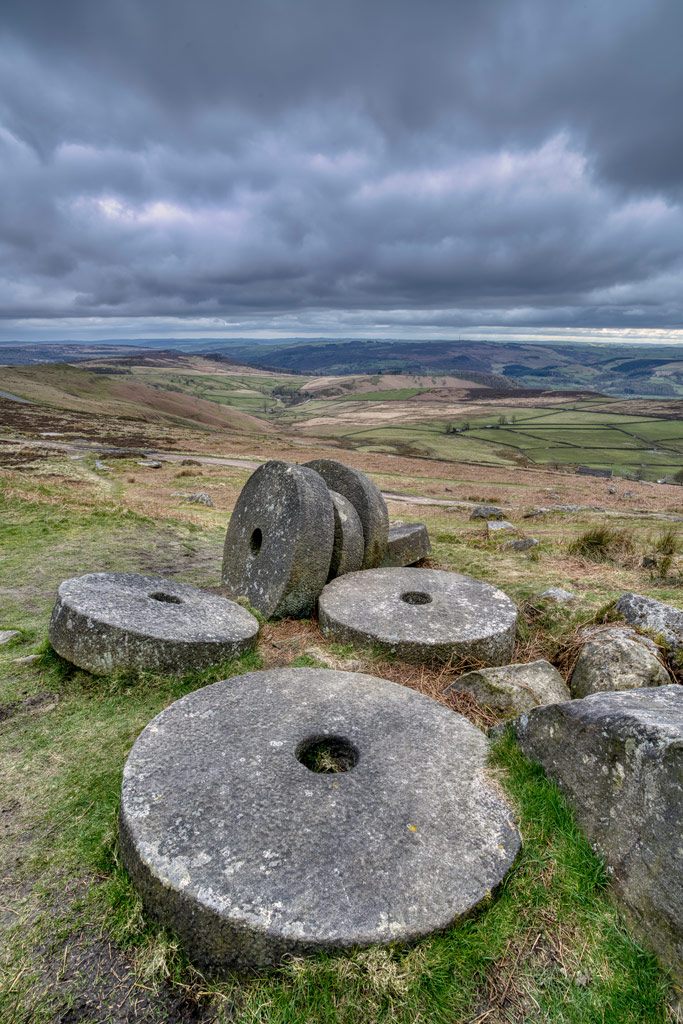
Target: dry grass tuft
[[434, 681]]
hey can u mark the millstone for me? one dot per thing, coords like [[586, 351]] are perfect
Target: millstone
[[349, 545], [406, 545], [420, 614], [278, 546], [367, 500], [109, 621], [238, 838]]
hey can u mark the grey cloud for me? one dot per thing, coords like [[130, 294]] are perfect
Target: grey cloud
[[266, 159]]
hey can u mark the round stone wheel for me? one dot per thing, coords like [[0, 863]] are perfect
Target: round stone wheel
[[113, 621], [367, 500], [278, 546], [298, 810], [349, 545], [420, 615]]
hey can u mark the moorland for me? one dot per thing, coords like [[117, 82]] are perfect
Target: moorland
[[76, 496]]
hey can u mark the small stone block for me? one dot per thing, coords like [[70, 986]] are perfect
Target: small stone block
[[8, 634], [407, 544]]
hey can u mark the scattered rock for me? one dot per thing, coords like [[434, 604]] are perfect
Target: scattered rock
[[28, 659], [487, 512], [348, 549], [367, 500], [278, 546], [8, 634], [420, 615], [496, 528], [151, 464], [290, 824], [557, 595], [105, 622], [102, 466], [619, 759], [449, 490], [523, 544], [660, 619], [190, 462], [611, 490], [406, 545], [514, 688], [612, 660], [200, 498], [629, 494]]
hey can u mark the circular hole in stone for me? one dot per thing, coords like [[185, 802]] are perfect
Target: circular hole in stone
[[416, 597], [255, 541], [166, 598], [327, 755]]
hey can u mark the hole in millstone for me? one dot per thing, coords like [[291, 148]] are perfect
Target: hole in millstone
[[255, 541], [166, 598], [327, 755], [416, 597]]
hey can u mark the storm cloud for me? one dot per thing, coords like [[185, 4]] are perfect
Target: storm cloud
[[340, 166]]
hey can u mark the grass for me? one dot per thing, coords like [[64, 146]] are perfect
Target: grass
[[602, 544], [75, 944]]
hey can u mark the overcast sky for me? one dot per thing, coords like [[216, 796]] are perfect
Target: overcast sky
[[341, 167]]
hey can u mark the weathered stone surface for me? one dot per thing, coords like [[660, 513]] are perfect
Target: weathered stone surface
[[557, 595], [114, 621], [349, 544], [367, 500], [496, 529], [150, 464], [200, 498], [278, 546], [420, 614], [523, 544], [406, 545], [619, 759], [515, 688], [248, 854], [8, 634], [487, 512], [660, 619], [616, 659]]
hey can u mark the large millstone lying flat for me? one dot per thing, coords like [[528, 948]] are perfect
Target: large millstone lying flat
[[248, 854], [367, 500], [278, 546], [113, 621], [420, 614], [618, 757]]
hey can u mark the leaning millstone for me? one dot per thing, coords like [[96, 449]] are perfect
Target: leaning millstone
[[113, 621], [612, 659], [349, 544], [298, 810], [278, 547], [487, 512], [514, 688], [407, 544], [420, 615], [662, 620], [619, 759], [8, 634], [367, 500]]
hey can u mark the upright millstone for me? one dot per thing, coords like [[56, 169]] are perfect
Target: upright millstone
[[278, 547], [367, 500], [420, 615], [349, 545], [113, 621], [299, 810]]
